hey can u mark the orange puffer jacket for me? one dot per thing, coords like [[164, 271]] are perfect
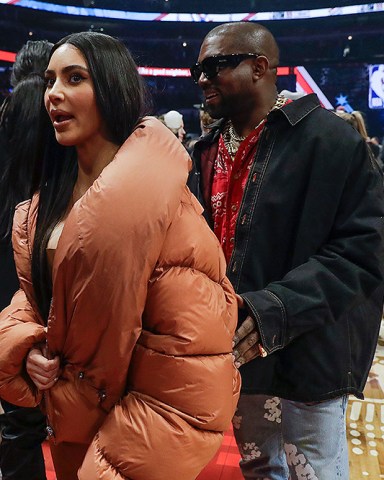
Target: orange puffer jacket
[[142, 317]]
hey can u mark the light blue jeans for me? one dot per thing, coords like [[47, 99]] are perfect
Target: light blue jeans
[[283, 440]]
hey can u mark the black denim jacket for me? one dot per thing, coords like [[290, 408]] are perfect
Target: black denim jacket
[[308, 252]]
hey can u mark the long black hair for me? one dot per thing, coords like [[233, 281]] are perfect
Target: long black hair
[[19, 127], [121, 99]]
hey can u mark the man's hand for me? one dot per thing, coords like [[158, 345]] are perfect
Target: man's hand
[[246, 342], [240, 302], [43, 372]]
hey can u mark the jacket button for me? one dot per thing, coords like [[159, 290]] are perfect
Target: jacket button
[[234, 207], [232, 239]]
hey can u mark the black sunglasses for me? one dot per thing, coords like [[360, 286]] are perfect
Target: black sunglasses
[[211, 66]]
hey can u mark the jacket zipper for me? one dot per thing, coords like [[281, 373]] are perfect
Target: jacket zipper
[[232, 264], [45, 395], [49, 428]]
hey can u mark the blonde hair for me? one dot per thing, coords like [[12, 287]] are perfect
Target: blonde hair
[[205, 118], [355, 119]]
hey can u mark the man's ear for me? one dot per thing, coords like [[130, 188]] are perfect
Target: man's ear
[[260, 67]]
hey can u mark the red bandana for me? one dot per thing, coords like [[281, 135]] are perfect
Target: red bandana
[[229, 180]]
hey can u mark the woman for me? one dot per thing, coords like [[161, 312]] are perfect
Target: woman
[[19, 121], [125, 318], [357, 121], [22, 429]]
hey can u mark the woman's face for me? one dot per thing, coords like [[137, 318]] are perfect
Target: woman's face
[[70, 99]]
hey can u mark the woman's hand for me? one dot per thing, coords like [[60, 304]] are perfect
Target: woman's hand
[[43, 372]]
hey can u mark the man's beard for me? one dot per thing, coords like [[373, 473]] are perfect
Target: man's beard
[[216, 111]]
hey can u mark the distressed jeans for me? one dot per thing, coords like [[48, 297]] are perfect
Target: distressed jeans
[[283, 440]]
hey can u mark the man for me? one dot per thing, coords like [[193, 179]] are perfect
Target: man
[[291, 193]]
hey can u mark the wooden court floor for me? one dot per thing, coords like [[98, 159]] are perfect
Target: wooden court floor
[[365, 426], [365, 432]]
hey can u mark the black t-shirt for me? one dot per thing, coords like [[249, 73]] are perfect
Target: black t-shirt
[[9, 283]]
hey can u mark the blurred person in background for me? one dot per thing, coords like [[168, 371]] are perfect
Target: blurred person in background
[[356, 119], [22, 429], [173, 120], [205, 120], [204, 123]]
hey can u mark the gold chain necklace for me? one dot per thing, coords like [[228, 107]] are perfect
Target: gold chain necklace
[[232, 140]]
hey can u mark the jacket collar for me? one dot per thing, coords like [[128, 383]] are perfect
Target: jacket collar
[[298, 109], [294, 113]]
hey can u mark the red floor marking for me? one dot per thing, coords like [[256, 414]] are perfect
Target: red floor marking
[[48, 462], [224, 465]]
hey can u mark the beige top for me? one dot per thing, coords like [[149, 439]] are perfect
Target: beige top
[[53, 241]]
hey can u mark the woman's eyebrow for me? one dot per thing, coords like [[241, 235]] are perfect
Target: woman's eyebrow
[[68, 68]]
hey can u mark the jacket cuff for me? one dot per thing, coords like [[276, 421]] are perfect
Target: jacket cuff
[[21, 392], [269, 313]]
